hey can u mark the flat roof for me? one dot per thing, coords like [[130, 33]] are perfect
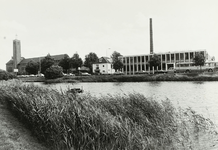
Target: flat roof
[[169, 52]]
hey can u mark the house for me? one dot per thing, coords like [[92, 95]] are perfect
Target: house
[[104, 66]]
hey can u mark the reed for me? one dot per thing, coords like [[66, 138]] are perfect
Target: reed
[[130, 122]]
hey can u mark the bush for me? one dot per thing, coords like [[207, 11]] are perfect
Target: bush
[[54, 72], [6, 75]]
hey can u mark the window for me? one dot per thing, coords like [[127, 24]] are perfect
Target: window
[[186, 55], [139, 59], [143, 59], [177, 56], [143, 67], [181, 56], [100, 60], [146, 57], [131, 60], [139, 67], [168, 57], [163, 57], [191, 55], [172, 57]]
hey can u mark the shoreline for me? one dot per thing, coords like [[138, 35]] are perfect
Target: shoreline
[[50, 115], [127, 78]]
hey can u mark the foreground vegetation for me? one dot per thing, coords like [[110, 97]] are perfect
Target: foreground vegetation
[[67, 121]]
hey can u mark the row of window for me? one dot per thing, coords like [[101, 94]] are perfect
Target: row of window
[[165, 57], [98, 65], [141, 67]]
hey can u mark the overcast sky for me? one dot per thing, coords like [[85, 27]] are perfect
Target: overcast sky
[[104, 26]]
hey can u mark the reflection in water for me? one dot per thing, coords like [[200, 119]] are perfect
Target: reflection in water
[[155, 84], [198, 82], [118, 83]]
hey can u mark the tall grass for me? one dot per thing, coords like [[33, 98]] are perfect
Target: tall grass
[[112, 122]]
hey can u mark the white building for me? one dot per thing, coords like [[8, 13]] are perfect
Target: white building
[[137, 63], [104, 66]]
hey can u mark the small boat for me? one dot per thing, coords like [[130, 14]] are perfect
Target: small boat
[[75, 90]]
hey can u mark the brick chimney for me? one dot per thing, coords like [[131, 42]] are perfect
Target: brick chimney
[[151, 38]]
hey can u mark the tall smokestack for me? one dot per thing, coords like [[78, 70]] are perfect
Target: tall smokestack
[[151, 37]]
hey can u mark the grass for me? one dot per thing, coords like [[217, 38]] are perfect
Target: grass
[[127, 78], [13, 135], [148, 78], [84, 122]]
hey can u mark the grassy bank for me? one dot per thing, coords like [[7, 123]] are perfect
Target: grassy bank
[[66, 121], [147, 78], [127, 78]]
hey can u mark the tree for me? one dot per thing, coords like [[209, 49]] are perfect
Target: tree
[[4, 75], [90, 59], [117, 65], [199, 60], [32, 67], [76, 61], [53, 72], [115, 55], [116, 61], [47, 62], [154, 61], [65, 63]]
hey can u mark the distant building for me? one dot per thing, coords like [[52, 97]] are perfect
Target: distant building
[[19, 63], [140, 63], [137, 63], [104, 66]]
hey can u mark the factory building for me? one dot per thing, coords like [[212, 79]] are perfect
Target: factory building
[[140, 63]]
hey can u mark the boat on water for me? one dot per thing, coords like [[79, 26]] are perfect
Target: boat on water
[[75, 90]]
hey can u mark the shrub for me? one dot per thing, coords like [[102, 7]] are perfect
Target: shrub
[[32, 67], [54, 72], [6, 75]]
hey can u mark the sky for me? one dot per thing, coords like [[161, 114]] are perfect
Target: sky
[[104, 26]]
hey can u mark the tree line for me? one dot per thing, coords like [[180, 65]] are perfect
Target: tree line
[[68, 64], [72, 64]]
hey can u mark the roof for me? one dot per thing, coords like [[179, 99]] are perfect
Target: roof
[[104, 60], [10, 62], [169, 52], [37, 59]]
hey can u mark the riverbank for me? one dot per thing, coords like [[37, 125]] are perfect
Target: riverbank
[[13, 135], [127, 78], [65, 121]]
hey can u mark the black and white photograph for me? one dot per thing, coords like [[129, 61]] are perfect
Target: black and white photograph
[[108, 75]]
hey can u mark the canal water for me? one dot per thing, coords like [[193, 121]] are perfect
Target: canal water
[[200, 96]]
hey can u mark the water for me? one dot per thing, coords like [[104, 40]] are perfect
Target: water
[[201, 96]]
